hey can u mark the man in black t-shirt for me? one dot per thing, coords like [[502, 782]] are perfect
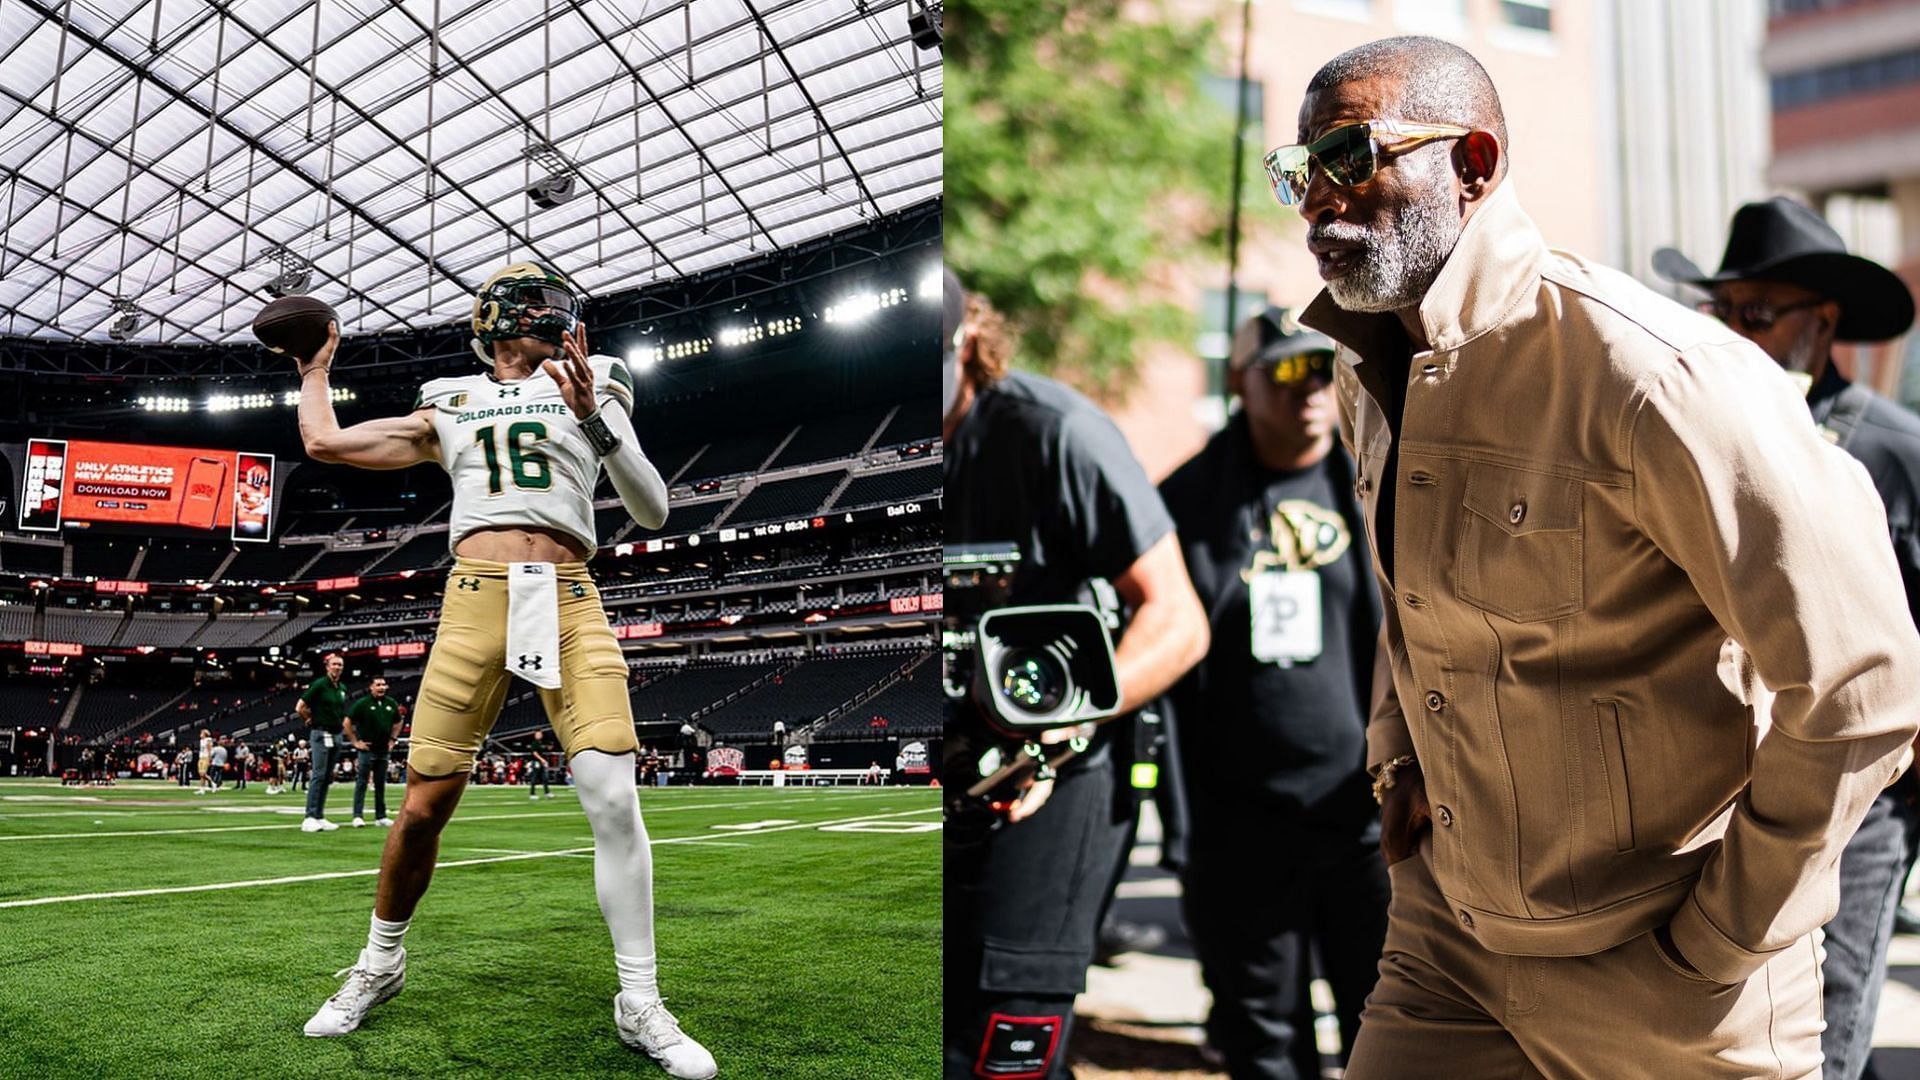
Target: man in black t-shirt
[[1283, 851], [1032, 464]]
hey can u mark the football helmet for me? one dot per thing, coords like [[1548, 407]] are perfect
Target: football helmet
[[505, 304]]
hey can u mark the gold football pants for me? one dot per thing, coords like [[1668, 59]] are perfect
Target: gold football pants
[[467, 680]]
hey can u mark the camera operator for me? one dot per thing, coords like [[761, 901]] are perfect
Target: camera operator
[[1034, 465]]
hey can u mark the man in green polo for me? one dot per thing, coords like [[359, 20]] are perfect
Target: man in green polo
[[324, 708], [370, 725]]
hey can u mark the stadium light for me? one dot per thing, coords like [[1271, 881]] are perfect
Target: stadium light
[[691, 347], [932, 285], [164, 404], [859, 306], [734, 336], [643, 359]]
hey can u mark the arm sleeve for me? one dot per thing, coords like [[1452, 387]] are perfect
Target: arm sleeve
[[639, 484], [1782, 536]]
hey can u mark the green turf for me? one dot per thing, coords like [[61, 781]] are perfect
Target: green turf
[[789, 953]]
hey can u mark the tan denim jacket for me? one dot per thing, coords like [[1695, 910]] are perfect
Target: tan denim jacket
[[1596, 489]]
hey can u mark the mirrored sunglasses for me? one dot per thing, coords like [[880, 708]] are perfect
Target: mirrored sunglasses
[[1348, 155]]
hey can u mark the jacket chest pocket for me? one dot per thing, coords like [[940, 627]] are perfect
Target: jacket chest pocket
[[1520, 553]]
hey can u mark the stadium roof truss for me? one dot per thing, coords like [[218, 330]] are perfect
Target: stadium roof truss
[[164, 163]]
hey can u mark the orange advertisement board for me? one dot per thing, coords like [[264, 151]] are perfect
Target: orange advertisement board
[[152, 486]]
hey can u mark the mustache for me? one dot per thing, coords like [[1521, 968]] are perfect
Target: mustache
[[1338, 232]]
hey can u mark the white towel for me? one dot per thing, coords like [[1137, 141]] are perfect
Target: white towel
[[533, 623]]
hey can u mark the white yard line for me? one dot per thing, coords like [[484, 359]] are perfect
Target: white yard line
[[336, 874], [457, 818]]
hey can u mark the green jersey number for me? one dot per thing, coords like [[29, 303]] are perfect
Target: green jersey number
[[531, 469]]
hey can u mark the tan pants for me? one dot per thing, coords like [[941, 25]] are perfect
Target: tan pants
[[466, 678], [1445, 1007]]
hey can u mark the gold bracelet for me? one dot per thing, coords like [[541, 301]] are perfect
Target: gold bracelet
[[1383, 777]]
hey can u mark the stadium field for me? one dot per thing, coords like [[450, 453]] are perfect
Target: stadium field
[[146, 931]]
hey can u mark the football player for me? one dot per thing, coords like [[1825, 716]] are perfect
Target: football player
[[524, 443]]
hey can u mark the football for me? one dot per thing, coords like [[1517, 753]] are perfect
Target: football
[[294, 325]]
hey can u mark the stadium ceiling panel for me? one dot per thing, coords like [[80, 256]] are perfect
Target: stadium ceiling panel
[[163, 162]]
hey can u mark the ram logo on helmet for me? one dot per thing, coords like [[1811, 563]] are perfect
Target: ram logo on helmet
[[506, 307]]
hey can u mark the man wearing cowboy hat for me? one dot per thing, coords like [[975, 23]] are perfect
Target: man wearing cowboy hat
[[1788, 284]]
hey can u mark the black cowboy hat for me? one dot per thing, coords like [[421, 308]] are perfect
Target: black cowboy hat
[[1781, 240]]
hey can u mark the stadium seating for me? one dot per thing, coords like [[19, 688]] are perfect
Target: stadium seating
[[269, 562], [106, 706], [888, 487], [914, 422], [21, 558], [182, 560], [911, 706], [16, 622], [342, 563], [802, 695], [695, 688], [737, 453], [682, 518], [825, 440], [423, 551], [85, 627], [160, 630], [796, 498], [105, 557], [33, 704]]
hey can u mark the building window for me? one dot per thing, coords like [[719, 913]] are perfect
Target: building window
[[1864, 76], [1528, 14], [1222, 89]]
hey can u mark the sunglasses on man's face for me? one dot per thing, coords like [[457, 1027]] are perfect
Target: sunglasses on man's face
[[1348, 155], [1292, 371], [1757, 316]]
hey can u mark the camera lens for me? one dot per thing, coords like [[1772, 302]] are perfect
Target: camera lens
[[1033, 681]]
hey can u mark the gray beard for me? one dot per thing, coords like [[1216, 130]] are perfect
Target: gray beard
[[1400, 258]]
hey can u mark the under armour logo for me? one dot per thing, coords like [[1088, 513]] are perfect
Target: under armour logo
[[578, 589], [469, 584], [529, 662], [509, 391]]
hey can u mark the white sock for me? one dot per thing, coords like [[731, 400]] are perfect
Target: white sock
[[622, 864], [383, 942], [637, 978]]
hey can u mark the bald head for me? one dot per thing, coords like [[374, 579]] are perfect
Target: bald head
[[1431, 81]]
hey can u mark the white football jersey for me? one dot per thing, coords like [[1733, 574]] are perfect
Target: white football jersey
[[515, 452]]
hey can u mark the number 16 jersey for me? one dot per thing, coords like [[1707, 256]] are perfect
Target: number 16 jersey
[[515, 452]]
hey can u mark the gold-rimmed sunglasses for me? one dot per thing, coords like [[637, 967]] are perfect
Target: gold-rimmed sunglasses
[[1348, 155]]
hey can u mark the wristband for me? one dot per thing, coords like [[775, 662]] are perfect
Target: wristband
[[599, 435]]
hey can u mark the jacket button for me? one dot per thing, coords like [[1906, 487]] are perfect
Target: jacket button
[[1466, 918], [1435, 702], [1518, 513], [1363, 485], [1444, 816]]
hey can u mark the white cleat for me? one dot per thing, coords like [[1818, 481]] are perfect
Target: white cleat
[[652, 1029], [358, 823], [310, 824], [327, 826], [385, 822], [364, 989]]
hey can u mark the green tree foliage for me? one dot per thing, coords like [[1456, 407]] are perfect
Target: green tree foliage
[[1082, 157]]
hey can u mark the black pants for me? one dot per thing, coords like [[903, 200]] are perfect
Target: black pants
[[1022, 908], [1258, 894]]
